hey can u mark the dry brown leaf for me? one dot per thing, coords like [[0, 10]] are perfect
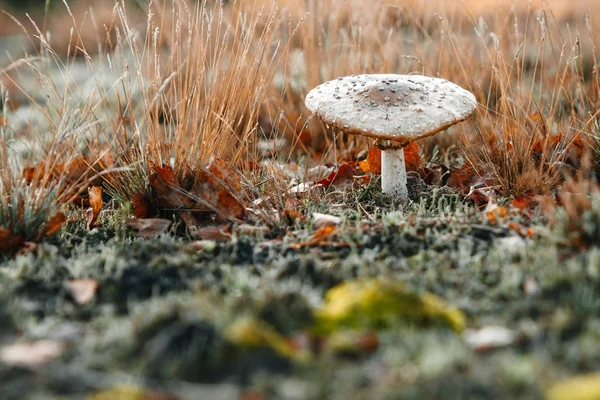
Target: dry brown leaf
[[167, 190], [462, 178], [412, 157], [496, 213], [141, 206], [8, 241], [95, 196], [83, 290], [150, 227], [75, 169], [229, 205], [37, 172], [321, 237], [54, 224], [222, 179], [212, 232], [373, 161], [344, 174], [31, 354], [225, 173]]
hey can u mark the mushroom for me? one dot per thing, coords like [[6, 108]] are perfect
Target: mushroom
[[393, 109]]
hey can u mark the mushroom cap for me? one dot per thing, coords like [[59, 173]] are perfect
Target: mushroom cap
[[399, 108]]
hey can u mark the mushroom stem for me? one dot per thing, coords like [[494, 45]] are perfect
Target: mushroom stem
[[393, 173]]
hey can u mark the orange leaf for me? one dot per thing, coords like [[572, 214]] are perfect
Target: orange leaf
[[412, 157], [75, 169], [8, 241], [305, 137], [95, 196], [229, 205], [522, 230], [212, 232], [37, 172], [225, 173], [462, 178], [141, 208], [521, 203], [223, 180], [495, 213], [373, 161], [165, 186], [344, 174], [54, 224], [80, 201]]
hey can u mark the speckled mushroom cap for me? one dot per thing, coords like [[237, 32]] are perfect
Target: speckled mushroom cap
[[399, 108]]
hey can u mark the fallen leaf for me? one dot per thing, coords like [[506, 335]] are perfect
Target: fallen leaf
[[344, 174], [522, 203], [54, 224], [220, 178], [372, 163], [141, 206], [522, 230], [584, 387], [80, 201], [462, 178], [83, 290], [150, 227], [251, 332], [166, 189], [75, 169], [8, 241], [229, 205], [217, 233], [95, 196], [38, 172], [31, 354], [412, 157], [375, 304], [496, 213], [224, 172]]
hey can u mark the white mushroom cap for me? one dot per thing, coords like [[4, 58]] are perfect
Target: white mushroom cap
[[399, 108]]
